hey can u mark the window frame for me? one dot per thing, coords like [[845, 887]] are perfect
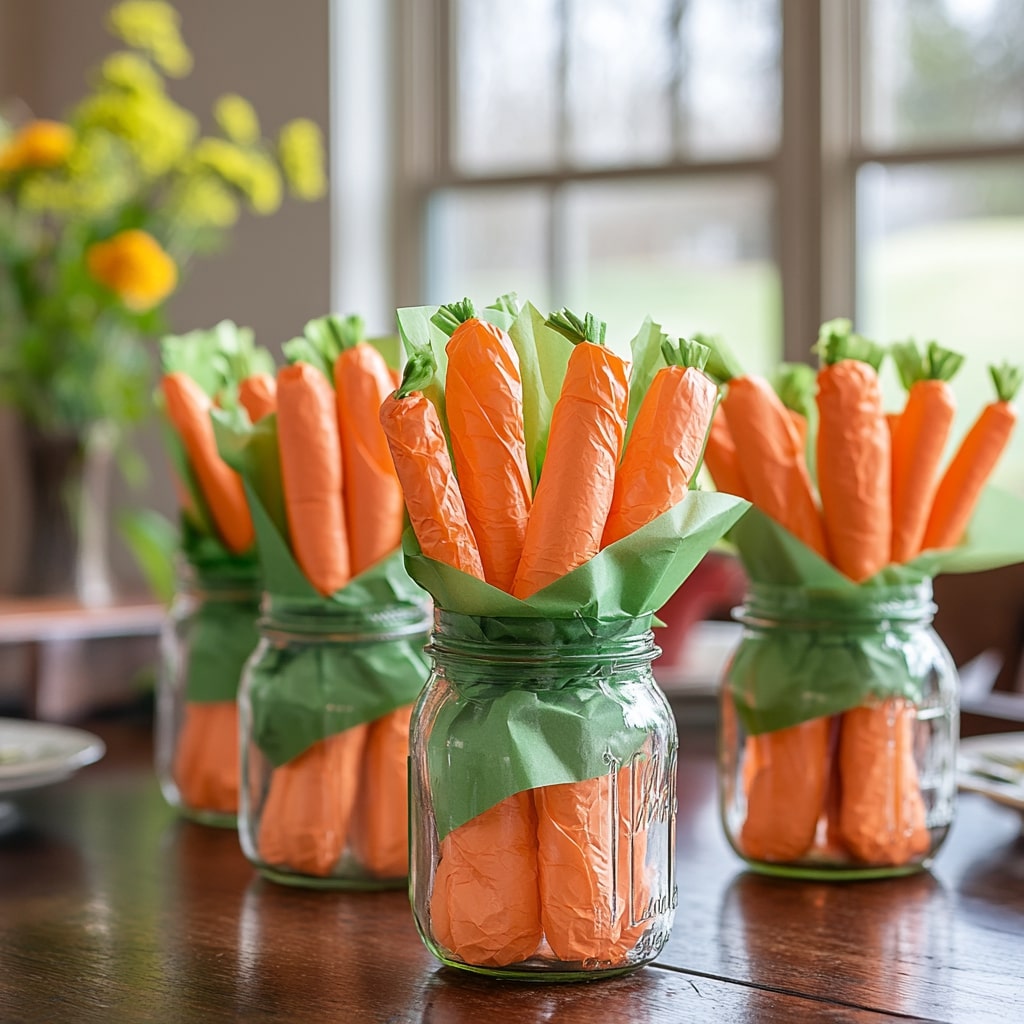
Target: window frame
[[813, 171]]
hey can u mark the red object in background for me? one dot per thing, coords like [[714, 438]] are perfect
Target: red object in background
[[715, 587]]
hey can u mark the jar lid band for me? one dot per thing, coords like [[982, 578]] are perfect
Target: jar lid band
[[284, 617], [815, 607]]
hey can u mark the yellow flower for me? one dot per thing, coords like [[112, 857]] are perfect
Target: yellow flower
[[205, 201], [248, 170], [130, 72], [152, 26], [237, 119], [133, 266], [158, 131], [301, 151], [39, 144]]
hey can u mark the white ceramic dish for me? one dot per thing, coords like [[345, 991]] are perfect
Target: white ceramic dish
[[34, 754], [994, 765]]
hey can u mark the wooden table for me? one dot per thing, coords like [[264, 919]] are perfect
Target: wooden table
[[114, 911]]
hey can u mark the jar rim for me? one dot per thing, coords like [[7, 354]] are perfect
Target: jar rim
[[798, 605], [284, 619]]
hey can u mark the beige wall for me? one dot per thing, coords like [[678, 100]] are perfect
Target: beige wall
[[274, 274]]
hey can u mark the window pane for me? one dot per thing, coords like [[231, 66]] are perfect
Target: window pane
[[943, 259], [729, 77], [940, 71], [485, 242], [619, 55], [506, 84], [696, 257]]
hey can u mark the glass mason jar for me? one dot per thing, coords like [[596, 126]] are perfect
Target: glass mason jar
[[839, 728], [324, 708], [543, 800], [207, 637]]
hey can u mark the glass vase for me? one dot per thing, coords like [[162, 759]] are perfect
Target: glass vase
[[325, 705], [543, 801], [208, 635], [839, 727], [69, 481]]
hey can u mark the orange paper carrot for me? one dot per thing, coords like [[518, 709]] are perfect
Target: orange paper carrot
[[771, 455], [786, 773], [484, 404], [881, 811], [574, 494], [666, 442], [305, 821], [962, 483], [311, 475], [485, 903], [373, 497], [919, 440], [432, 497], [854, 454], [581, 865], [721, 459], [188, 408], [380, 830], [257, 394], [206, 758]]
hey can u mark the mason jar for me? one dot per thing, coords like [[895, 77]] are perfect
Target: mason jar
[[324, 707], [207, 637], [543, 799], [838, 736]]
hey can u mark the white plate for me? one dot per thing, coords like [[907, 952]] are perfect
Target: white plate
[[34, 754], [994, 765]]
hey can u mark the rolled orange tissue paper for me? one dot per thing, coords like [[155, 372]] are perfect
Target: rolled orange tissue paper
[[206, 758], [305, 822], [485, 904]]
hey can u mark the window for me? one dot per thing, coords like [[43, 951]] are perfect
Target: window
[[745, 167], [939, 161], [606, 155]]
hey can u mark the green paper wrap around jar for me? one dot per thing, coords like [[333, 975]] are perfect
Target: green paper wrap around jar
[[358, 656], [532, 696], [207, 638], [555, 732], [223, 629], [798, 674]]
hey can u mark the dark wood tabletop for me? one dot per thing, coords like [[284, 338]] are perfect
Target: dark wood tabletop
[[113, 910]]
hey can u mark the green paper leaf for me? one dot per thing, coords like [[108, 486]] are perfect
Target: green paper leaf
[[425, 342], [543, 356], [994, 538], [647, 359], [629, 579], [771, 554], [390, 347], [216, 358], [251, 450], [302, 350]]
